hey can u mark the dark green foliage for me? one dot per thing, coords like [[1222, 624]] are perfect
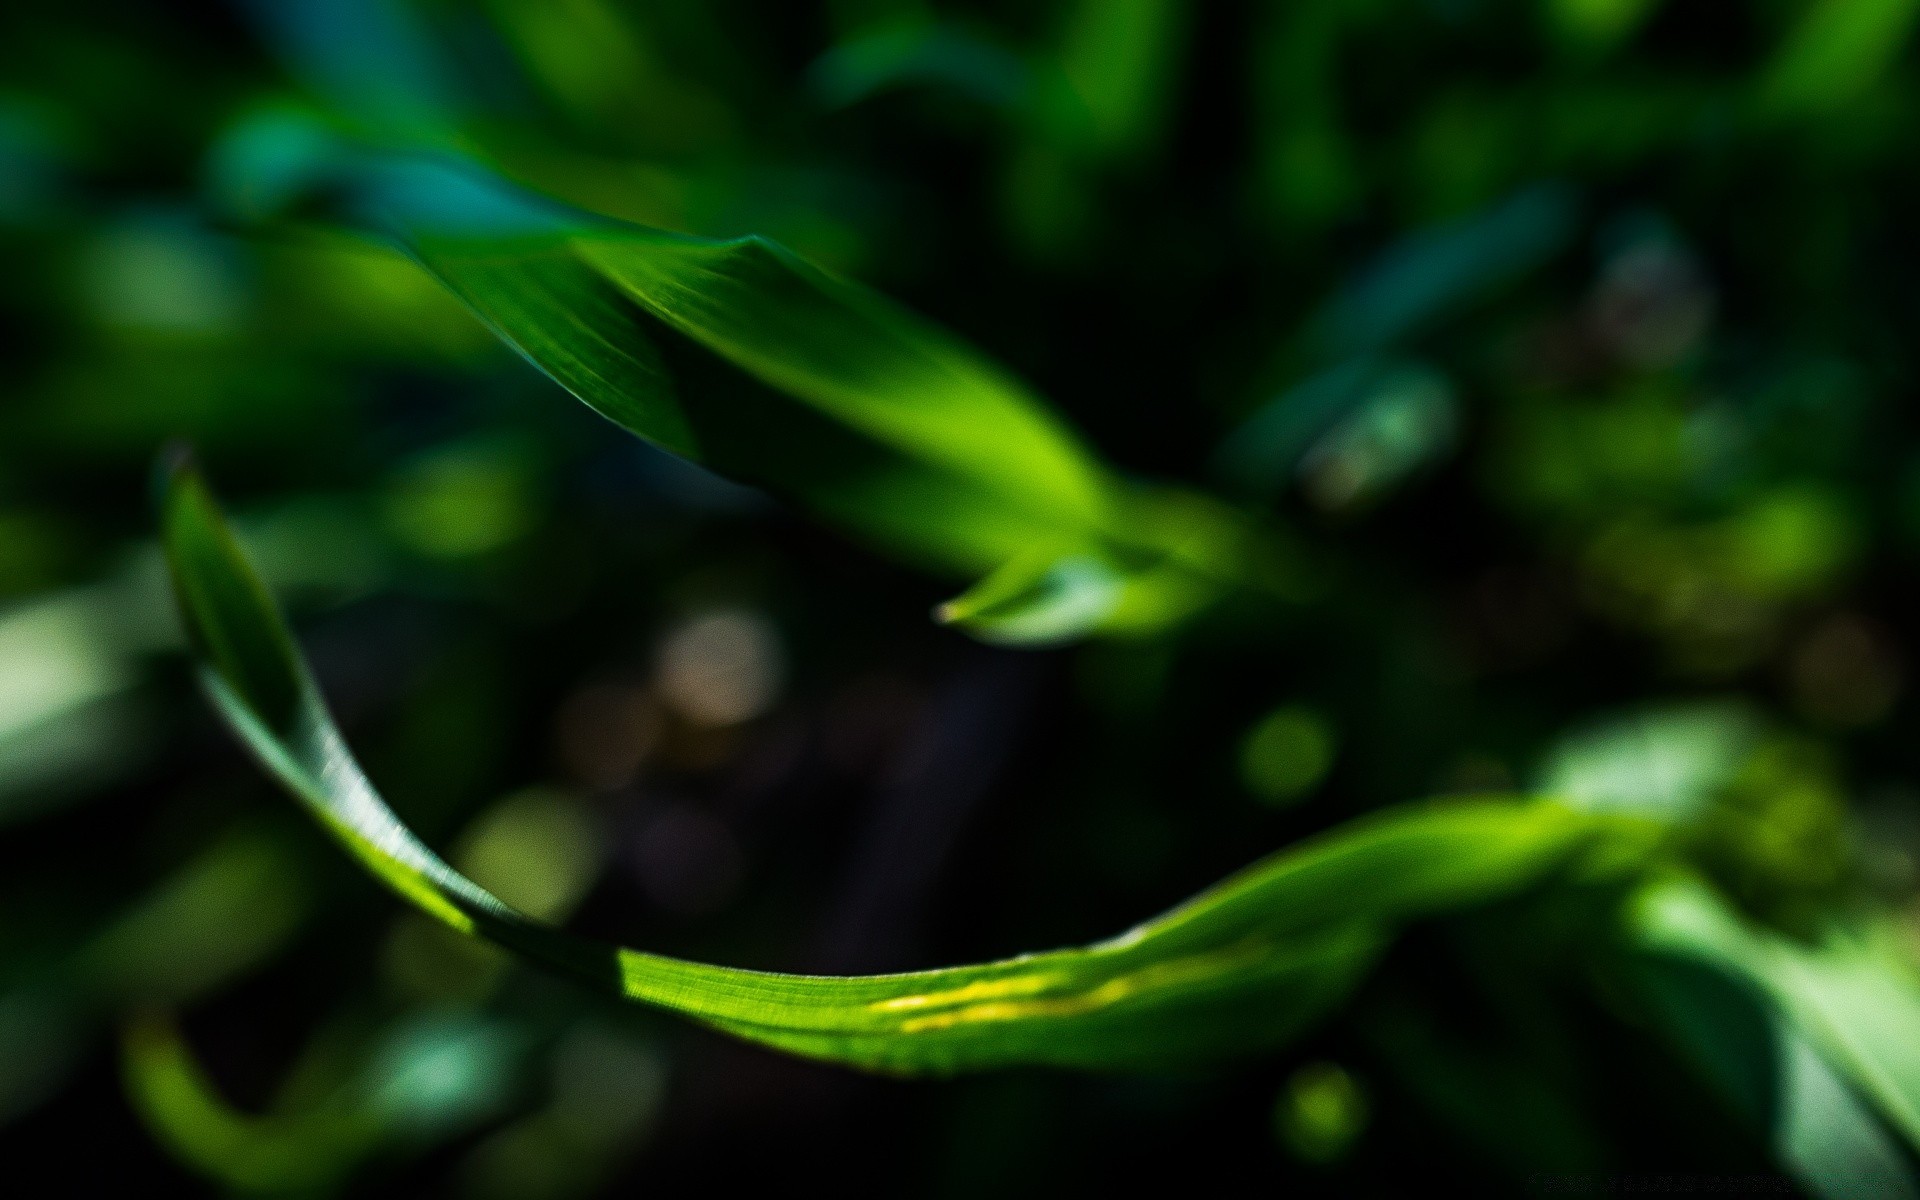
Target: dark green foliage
[[1455, 457]]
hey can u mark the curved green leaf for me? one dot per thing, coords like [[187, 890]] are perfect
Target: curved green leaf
[[252, 1153], [1243, 964]]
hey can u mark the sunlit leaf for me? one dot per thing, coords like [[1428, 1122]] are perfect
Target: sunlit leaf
[[1662, 762], [900, 432], [1244, 964], [1436, 271]]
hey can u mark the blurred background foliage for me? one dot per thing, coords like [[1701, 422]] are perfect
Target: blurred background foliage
[[1568, 336]]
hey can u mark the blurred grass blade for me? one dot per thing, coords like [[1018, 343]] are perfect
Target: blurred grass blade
[[1807, 1041], [1120, 58], [1244, 964], [1596, 27], [1836, 52], [247, 1152], [428, 1077], [899, 53], [225, 911]]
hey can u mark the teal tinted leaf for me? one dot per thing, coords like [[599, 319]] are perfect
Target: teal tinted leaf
[[1432, 273], [1347, 435], [1857, 997], [1244, 964], [1815, 1125], [1263, 454], [1409, 422], [1809, 1042], [374, 58]]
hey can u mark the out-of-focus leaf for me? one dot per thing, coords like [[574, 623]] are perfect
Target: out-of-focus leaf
[[223, 912], [250, 1152], [71, 662], [921, 52], [373, 58], [1265, 453], [1429, 273], [1594, 27], [1043, 600], [1411, 420], [1347, 435], [61, 671], [1119, 59], [1033, 603], [1663, 763], [901, 433], [432, 1076], [1835, 53], [1245, 963], [1796, 1036], [228, 909]]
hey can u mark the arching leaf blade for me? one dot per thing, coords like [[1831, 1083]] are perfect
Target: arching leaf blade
[[1244, 964]]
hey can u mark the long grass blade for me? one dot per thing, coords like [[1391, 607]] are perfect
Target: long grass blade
[[1246, 963]]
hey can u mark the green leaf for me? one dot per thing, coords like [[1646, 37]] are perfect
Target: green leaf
[[1034, 602], [901, 432], [1666, 762], [1808, 1041], [253, 1153], [1244, 964], [428, 1077], [1835, 53]]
